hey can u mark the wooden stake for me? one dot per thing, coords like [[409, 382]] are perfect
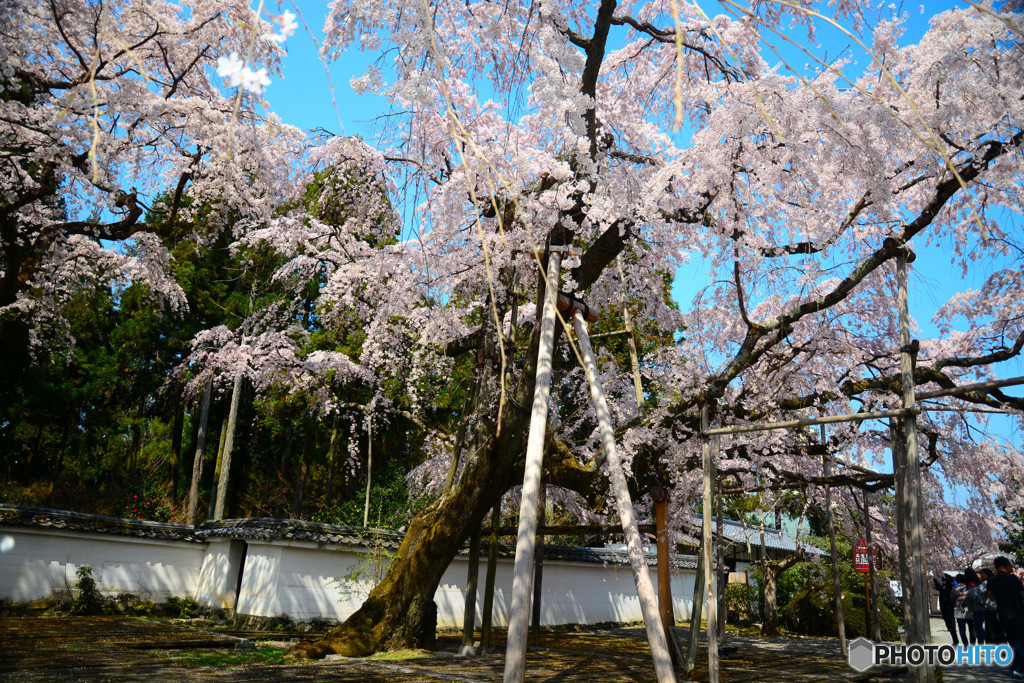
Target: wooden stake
[[634, 546], [522, 579]]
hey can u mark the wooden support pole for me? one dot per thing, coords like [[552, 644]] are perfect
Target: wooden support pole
[[696, 609], [538, 567], [922, 624], [634, 358], [720, 560], [369, 468], [492, 572], [229, 446], [469, 614], [833, 547], [968, 388], [637, 559], [899, 463], [709, 448], [872, 569], [522, 580]]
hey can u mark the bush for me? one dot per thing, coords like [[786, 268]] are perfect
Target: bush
[[741, 603], [183, 608], [88, 600]]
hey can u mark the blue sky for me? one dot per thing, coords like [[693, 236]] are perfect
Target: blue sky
[[303, 98]]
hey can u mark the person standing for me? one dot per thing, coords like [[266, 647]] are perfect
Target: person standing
[[963, 608], [946, 603], [993, 631], [1008, 592]]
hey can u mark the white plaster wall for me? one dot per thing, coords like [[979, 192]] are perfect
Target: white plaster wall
[[301, 580], [44, 561], [218, 576]]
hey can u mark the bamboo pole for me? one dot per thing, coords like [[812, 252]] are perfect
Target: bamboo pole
[[637, 558], [229, 446], [833, 548], [922, 624], [197, 462], [522, 580], [709, 456]]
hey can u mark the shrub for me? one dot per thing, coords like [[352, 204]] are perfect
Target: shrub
[[88, 600], [741, 603]]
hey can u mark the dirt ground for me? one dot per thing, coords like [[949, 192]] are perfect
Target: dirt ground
[[133, 649]]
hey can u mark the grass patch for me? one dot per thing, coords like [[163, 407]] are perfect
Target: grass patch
[[262, 654]]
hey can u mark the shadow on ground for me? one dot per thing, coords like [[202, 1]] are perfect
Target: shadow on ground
[[130, 649]]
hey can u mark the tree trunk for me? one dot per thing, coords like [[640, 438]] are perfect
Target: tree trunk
[[399, 612], [224, 466], [300, 483], [197, 463], [176, 431], [217, 464], [492, 570], [770, 623], [282, 478], [772, 572], [332, 454]]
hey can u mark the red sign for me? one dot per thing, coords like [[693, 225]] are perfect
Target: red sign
[[861, 556]]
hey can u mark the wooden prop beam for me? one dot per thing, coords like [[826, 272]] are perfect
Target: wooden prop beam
[[709, 447], [833, 548], [912, 491], [637, 558], [696, 609], [522, 580]]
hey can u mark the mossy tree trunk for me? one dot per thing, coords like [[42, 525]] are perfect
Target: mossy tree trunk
[[400, 612]]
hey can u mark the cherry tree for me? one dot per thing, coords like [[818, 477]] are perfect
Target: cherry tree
[[650, 134], [119, 120]]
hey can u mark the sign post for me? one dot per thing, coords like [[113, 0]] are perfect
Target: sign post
[[862, 561]]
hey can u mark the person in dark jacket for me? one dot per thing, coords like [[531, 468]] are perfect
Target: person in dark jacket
[[993, 631], [947, 603], [1008, 592]]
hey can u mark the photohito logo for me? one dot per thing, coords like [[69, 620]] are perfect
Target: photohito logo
[[865, 654]]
